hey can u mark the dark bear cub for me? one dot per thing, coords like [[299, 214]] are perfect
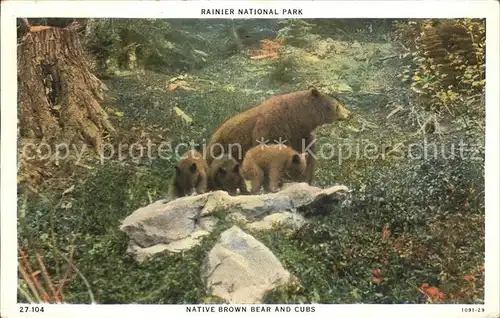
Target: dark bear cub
[[224, 174], [190, 174]]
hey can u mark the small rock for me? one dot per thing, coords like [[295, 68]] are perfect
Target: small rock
[[355, 45], [343, 87], [241, 269]]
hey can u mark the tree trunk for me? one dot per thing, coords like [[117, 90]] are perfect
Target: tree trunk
[[58, 96]]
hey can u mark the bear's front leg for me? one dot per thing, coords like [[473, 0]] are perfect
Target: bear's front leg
[[243, 187], [275, 178], [256, 181], [310, 148], [201, 187]]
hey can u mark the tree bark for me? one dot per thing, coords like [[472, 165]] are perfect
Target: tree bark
[[58, 96]]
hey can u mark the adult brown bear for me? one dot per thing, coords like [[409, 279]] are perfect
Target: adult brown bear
[[289, 118]]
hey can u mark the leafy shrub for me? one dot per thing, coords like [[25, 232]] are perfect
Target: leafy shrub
[[284, 70], [448, 62], [150, 43], [293, 31]]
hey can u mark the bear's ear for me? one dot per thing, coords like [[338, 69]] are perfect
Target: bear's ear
[[314, 92], [221, 171], [198, 148], [192, 168], [236, 168], [296, 158]]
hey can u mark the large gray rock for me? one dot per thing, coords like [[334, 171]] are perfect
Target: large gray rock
[[180, 224], [241, 269]]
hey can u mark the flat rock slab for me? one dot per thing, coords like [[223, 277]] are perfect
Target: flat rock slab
[[289, 220], [142, 254], [160, 223]]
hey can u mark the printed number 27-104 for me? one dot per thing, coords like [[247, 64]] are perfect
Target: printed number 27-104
[[30, 309]]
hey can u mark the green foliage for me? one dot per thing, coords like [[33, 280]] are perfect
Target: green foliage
[[89, 219], [293, 31], [435, 213], [284, 70], [149, 43], [363, 30], [448, 63]]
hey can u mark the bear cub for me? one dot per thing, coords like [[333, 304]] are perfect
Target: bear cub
[[190, 174], [270, 165], [224, 174]]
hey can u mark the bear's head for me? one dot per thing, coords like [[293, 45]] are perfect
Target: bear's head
[[330, 108], [227, 176], [187, 174], [296, 166]]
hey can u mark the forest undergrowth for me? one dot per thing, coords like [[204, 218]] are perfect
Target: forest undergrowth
[[412, 230]]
